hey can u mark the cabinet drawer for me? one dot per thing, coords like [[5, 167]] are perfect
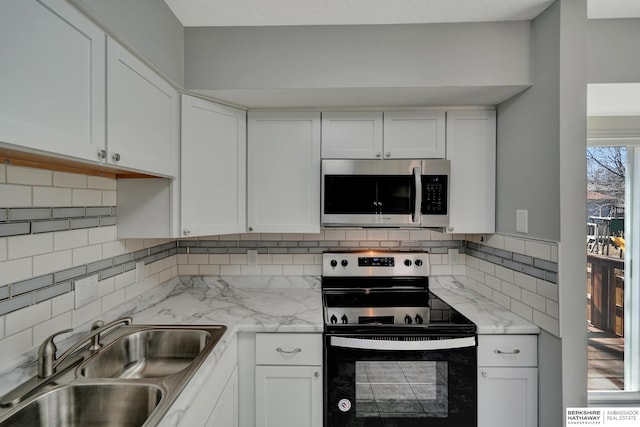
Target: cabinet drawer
[[507, 350], [288, 349]]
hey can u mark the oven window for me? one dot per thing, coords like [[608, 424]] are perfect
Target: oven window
[[401, 389]]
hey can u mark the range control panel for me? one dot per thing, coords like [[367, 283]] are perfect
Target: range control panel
[[378, 264]]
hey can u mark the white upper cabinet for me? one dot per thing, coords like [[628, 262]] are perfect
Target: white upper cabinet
[[471, 148], [283, 172], [388, 135], [53, 73], [351, 135], [414, 135], [213, 168], [142, 115]]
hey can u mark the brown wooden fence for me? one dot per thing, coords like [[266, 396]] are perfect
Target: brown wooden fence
[[605, 293]]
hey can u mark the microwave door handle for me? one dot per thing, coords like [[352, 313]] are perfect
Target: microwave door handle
[[417, 177]]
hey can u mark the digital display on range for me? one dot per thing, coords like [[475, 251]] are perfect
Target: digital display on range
[[376, 262]]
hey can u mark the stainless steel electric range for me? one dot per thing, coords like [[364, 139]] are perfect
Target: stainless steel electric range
[[395, 354]]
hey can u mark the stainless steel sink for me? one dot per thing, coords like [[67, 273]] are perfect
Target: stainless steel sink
[[126, 405], [131, 380], [148, 354]]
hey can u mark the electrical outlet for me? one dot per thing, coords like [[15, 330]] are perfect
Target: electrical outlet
[[86, 290], [139, 271], [522, 221], [252, 257]]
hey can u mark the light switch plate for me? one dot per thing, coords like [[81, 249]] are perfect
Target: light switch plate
[[522, 221], [86, 290]]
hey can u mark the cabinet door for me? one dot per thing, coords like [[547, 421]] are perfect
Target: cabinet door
[[283, 172], [52, 85], [225, 412], [288, 396], [507, 397], [414, 135], [471, 148], [349, 135], [213, 168], [142, 115]]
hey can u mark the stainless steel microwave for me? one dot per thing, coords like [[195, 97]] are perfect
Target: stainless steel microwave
[[385, 193]]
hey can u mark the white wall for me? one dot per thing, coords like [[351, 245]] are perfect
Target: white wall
[[475, 54], [147, 26], [613, 51]]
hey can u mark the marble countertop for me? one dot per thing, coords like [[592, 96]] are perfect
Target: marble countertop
[[489, 317], [263, 304]]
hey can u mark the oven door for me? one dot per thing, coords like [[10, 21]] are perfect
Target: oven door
[[374, 381]]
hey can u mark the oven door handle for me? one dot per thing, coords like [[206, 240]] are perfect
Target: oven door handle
[[367, 344]]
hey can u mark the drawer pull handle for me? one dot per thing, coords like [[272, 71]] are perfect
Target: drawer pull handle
[[498, 351], [294, 351]]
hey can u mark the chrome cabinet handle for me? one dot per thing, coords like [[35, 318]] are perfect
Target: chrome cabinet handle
[[250, 228], [115, 157], [186, 232], [294, 351], [387, 154], [498, 351], [485, 374], [102, 154], [316, 374], [378, 154]]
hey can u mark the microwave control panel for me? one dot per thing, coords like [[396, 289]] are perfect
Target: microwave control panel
[[434, 194]]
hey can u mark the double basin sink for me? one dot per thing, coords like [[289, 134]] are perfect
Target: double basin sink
[[131, 381]]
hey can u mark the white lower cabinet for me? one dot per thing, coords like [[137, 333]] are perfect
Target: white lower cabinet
[[216, 403], [507, 381], [225, 412], [288, 380]]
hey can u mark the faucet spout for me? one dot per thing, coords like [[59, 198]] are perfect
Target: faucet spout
[[47, 355]]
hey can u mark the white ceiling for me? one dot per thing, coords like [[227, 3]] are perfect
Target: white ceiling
[[223, 13]]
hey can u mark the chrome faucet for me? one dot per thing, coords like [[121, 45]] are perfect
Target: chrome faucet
[[47, 361]]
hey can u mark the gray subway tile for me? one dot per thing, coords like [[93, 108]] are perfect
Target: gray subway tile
[[182, 250], [410, 244], [13, 304], [438, 250], [108, 220], [155, 249], [15, 229], [121, 259], [228, 244], [68, 212], [298, 250], [503, 254], [26, 214], [114, 211], [200, 250], [316, 250], [140, 254], [172, 251], [49, 226], [84, 223], [535, 272], [524, 259], [208, 243], [263, 250], [169, 245], [98, 265], [110, 272], [552, 277], [477, 254], [217, 250], [267, 243], [129, 266], [515, 266], [4, 292], [546, 265], [150, 259], [71, 273], [472, 245], [248, 244], [288, 244], [237, 250], [3, 215], [486, 249], [162, 255], [98, 211], [308, 244], [31, 284], [187, 243], [53, 291], [494, 259], [331, 243]]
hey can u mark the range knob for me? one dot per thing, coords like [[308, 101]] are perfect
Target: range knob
[[407, 319], [333, 319], [344, 319], [418, 262], [333, 263], [344, 262], [419, 319], [407, 262]]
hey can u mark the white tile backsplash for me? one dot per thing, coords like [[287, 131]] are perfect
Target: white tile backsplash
[[51, 262], [85, 197], [69, 180], [86, 255], [16, 270], [29, 176], [51, 326], [102, 235], [15, 195], [26, 318], [70, 239], [101, 183], [51, 196], [3, 173]]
